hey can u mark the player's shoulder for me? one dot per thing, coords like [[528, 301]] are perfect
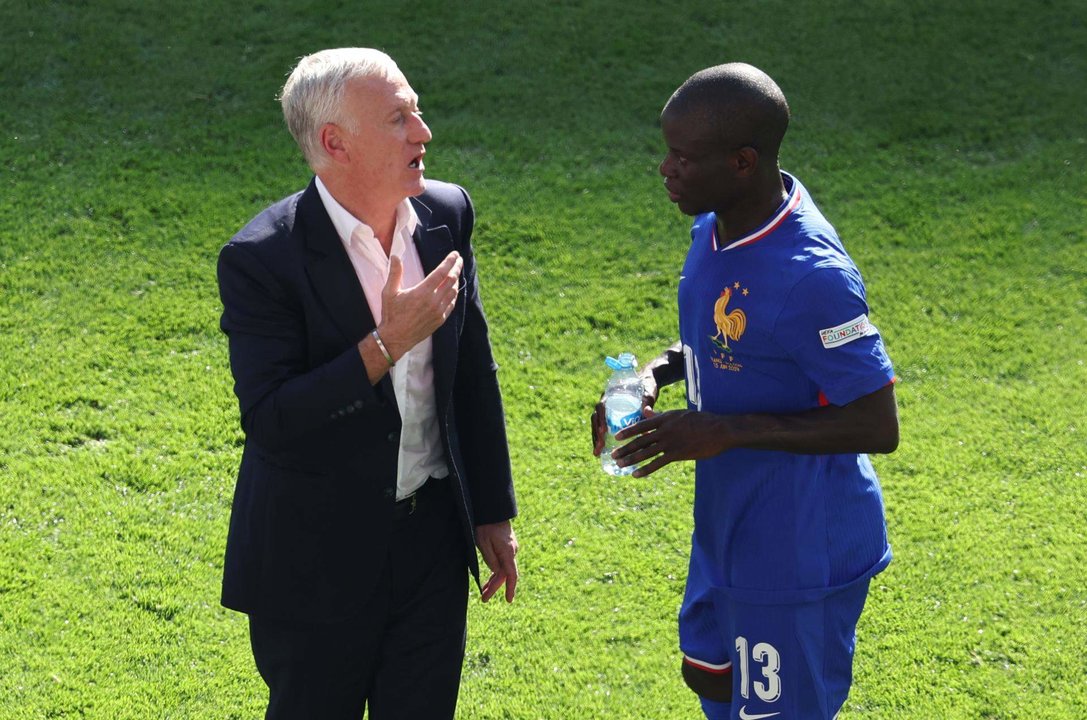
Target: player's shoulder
[[818, 263], [815, 243], [806, 218]]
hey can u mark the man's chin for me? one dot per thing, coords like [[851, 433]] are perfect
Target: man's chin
[[688, 208]]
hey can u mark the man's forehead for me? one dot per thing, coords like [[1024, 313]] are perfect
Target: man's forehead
[[407, 95], [394, 88], [688, 128]]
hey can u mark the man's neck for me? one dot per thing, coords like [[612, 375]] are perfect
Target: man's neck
[[379, 216], [751, 213]]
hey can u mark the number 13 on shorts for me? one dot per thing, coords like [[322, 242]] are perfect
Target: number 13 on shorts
[[765, 658]]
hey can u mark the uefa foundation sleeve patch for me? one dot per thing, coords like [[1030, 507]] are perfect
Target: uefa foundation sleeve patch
[[847, 332]]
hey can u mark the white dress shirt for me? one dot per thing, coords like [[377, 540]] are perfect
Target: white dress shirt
[[413, 376]]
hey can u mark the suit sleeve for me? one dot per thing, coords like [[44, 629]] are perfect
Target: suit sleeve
[[283, 400], [480, 417]]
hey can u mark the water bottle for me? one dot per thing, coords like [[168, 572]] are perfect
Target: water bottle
[[622, 407]]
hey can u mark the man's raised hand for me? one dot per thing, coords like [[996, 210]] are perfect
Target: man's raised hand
[[410, 315]]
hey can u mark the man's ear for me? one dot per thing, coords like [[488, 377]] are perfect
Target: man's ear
[[745, 161], [332, 142]]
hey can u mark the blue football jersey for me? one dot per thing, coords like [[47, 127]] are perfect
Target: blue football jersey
[[777, 322]]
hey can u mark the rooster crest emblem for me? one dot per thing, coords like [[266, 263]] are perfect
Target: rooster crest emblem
[[730, 324]]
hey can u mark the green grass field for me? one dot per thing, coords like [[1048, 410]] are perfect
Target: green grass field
[[946, 141]]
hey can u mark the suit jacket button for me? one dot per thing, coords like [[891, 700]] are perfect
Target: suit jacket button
[[392, 437], [358, 404], [390, 493]]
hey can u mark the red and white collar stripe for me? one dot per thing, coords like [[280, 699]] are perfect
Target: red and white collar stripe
[[771, 225]]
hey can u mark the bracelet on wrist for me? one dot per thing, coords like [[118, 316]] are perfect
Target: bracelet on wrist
[[381, 346]]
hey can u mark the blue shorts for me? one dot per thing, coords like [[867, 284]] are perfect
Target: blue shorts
[[786, 661]]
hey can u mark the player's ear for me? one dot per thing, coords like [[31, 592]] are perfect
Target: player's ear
[[745, 161]]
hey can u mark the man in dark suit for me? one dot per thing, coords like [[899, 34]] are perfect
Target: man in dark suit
[[375, 457]]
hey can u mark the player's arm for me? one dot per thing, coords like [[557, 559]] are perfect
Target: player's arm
[[665, 369], [869, 424]]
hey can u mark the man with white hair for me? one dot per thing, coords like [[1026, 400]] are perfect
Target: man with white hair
[[375, 458]]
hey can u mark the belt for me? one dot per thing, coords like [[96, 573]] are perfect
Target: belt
[[425, 496]]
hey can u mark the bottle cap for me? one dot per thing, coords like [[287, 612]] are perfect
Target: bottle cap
[[626, 361]]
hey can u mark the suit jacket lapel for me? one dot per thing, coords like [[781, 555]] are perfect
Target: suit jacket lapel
[[332, 276], [433, 244]]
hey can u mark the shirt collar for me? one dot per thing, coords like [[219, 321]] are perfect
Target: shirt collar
[[784, 210], [346, 224]]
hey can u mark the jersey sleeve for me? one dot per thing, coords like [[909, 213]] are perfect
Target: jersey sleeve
[[824, 326]]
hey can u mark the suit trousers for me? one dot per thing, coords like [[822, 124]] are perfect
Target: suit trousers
[[400, 657]]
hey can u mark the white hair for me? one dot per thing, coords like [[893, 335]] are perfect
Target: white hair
[[314, 91]]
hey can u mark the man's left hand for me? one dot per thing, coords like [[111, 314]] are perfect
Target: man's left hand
[[498, 546], [669, 437]]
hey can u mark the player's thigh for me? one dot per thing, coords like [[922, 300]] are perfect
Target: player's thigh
[[796, 660]]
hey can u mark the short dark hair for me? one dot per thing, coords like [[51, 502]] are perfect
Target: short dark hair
[[741, 105]]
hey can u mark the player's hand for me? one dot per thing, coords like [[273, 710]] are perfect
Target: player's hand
[[598, 421], [670, 437], [410, 315], [498, 546]]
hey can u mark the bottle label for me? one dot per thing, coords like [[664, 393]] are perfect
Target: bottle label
[[621, 412]]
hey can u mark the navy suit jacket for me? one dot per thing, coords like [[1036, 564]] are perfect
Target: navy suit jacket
[[313, 505]]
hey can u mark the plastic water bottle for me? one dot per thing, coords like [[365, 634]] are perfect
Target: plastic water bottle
[[622, 407]]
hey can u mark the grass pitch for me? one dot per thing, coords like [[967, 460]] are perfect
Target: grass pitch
[[945, 141]]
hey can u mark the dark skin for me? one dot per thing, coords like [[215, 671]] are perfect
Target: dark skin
[[702, 175], [744, 190], [867, 425]]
